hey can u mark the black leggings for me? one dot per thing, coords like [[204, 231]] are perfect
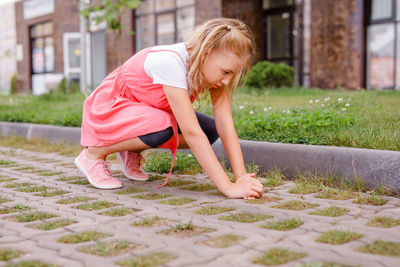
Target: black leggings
[[206, 122]]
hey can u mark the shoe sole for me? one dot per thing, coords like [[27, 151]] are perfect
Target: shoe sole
[[127, 175], [78, 164]]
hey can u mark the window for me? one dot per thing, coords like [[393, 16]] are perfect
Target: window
[[42, 44], [163, 22]]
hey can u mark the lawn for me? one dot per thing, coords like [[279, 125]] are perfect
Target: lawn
[[364, 119]]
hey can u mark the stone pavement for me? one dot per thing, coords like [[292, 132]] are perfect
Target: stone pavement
[[63, 182]]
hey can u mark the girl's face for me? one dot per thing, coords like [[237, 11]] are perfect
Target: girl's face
[[220, 66]]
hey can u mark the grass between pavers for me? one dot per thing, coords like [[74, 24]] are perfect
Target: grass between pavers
[[153, 259], [331, 212], [245, 217], [199, 187], [14, 209], [130, 190], [118, 212], [161, 163], [111, 248], [57, 192], [223, 241], [275, 256], [32, 263], [156, 177], [74, 200], [383, 222], [381, 247], [273, 178], [263, 200], [185, 230], [98, 205], [326, 264], [295, 205], [32, 216], [284, 225], [151, 196], [304, 188], [212, 210], [79, 182], [18, 185], [7, 254], [177, 201], [372, 199], [5, 179], [53, 224], [179, 182], [82, 237], [70, 178], [152, 222], [336, 237], [4, 199], [335, 194], [24, 168]]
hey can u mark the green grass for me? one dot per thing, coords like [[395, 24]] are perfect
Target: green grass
[[326, 264], [372, 199], [305, 188], [117, 212], [336, 194], [111, 248], [4, 199], [152, 222], [32, 216], [273, 178], [245, 217], [199, 187], [31, 263], [161, 163], [294, 205], [331, 212], [98, 205], [53, 224], [130, 190], [383, 222], [223, 241], [337, 237], [153, 259], [179, 182], [381, 247], [186, 230], [6, 179], [284, 225], [177, 201], [263, 200], [151, 196], [7, 254], [82, 237], [275, 256], [57, 192], [212, 210], [74, 200], [13, 209]]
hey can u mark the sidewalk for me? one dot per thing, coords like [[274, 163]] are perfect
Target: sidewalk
[[181, 248]]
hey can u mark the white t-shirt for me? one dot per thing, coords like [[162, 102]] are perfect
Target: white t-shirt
[[166, 67]]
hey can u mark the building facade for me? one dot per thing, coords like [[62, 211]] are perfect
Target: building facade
[[349, 44]]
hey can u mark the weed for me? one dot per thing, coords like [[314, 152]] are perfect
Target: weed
[[53, 224], [82, 237], [337, 237], [7, 254], [373, 199], [284, 225], [177, 201], [98, 205], [212, 210], [383, 222], [295, 205], [381, 247], [331, 211], [152, 196], [275, 256], [245, 217], [118, 212], [74, 200]]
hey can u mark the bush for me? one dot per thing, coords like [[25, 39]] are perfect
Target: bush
[[67, 87], [267, 74], [13, 84]]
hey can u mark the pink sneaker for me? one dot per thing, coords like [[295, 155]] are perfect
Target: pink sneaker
[[131, 162], [97, 172]]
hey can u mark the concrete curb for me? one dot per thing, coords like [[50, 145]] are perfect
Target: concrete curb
[[375, 167]]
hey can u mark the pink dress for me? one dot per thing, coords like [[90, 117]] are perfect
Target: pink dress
[[126, 105]]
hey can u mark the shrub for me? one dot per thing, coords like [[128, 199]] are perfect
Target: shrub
[[13, 84], [267, 74], [67, 87]]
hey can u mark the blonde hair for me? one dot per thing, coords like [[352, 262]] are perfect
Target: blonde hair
[[222, 33]]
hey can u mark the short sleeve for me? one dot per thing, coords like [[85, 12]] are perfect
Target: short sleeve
[[167, 68]]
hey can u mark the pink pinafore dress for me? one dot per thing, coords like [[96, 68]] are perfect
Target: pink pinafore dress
[[126, 105]]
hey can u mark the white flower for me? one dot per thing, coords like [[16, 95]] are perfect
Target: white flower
[[284, 111], [269, 107], [251, 112], [288, 112], [344, 109], [310, 101], [327, 99], [347, 105], [190, 155], [340, 100], [316, 100], [322, 105], [265, 109], [241, 107]]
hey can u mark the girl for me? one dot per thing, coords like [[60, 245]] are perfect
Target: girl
[[141, 104]]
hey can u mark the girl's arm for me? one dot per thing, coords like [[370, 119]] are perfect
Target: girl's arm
[[185, 115]]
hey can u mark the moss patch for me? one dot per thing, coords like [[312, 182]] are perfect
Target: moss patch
[[245, 217], [7, 254], [295, 205], [331, 211], [212, 210], [337, 237], [53, 225], [177, 201], [82, 237], [199, 187], [74, 200], [111, 248], [152, 196], [223, 241], [383, 222], [381, 247], [284, 225], [276, 256], [152, 222], [117, 212], [98, 205], [149, 260]]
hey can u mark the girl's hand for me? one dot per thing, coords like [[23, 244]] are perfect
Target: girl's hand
[[246, 187]]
